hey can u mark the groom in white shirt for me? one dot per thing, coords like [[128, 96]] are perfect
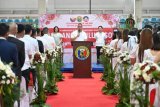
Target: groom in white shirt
[[79, 35]]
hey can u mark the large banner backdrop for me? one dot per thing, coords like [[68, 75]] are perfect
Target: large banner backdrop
[[68, 23]]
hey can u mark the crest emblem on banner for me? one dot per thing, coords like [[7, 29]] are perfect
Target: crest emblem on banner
[[82, 52]]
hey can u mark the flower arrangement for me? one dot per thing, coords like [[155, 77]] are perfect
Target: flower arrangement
[[145, 73], [59, 63], [7, 83], [109, 51], [124, 58], [108, 75], [49, 54], [38, 61], [124, 82], [37, 58], [50, 67]]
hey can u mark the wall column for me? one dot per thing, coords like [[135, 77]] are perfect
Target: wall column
[[138, 13], [42, 7]]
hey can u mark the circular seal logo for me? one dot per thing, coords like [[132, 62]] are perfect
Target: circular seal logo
[[82, 52], [79, 19]]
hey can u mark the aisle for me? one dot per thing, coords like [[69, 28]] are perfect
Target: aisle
[[81, 93]]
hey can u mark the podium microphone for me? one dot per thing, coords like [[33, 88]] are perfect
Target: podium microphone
[[79, 33]]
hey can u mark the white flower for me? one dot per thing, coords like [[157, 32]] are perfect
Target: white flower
[[12, 81], [146, 69], [138, 72], [3, 77], [8, 82], [3, 82], [55, 53], [2, 66], [157, 67], [53, 60], [136, 76], [43, 59], [9, 72], [146, 77], [124, 59], [101, 50]]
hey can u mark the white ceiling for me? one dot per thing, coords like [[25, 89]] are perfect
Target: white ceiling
[[77, 6]]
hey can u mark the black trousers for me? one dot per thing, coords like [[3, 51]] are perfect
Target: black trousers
[[98, 53], [25, 74]]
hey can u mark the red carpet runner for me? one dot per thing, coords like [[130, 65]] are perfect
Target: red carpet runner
[[81, 93]]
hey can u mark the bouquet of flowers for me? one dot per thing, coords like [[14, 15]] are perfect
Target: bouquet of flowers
[[38, 61], [7, 82], [145, 72], [38, 58], [124, 58], [109, 51]]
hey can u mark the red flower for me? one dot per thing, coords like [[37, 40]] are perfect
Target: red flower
[[142, 68], [51, 17], [110, 22], [153, 68], [37, 57], [141, 78], [47, 22], [107, 17]]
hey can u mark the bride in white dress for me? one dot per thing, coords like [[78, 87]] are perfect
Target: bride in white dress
[[137, 53], [124, 46], [153, 55]]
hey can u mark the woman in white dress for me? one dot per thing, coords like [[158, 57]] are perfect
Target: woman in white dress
[[132, 40], [137, 53], [120, 41], [114, 39], [153, 55], [124, 46], [57, 36], [145, 42], [114, 43]]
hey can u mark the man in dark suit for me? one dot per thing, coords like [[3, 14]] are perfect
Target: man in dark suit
[[8, 51], [21, 51], [20, 46]]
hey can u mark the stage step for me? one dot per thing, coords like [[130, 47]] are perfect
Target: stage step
[[68, 67]]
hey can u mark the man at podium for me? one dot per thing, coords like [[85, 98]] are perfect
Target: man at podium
[[79, 34]]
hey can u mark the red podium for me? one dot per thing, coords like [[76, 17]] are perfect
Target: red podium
[[82, 59]]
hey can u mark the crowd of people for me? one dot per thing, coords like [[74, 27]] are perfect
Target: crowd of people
[[18, 44], [142, 45]]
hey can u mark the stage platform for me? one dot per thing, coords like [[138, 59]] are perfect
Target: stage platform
[[68, 67]]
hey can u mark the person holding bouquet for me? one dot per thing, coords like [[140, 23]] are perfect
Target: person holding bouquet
[[153, 55]]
